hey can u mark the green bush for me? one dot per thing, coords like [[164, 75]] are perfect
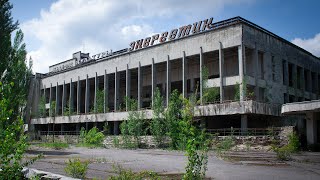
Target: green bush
[[284, 152], [224, 145], [76, 169], [124, 174], [54, 145], [93, 138]]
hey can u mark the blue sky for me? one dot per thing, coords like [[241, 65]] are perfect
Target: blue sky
[[54, 29]]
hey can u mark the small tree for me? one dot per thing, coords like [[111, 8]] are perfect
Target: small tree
[[209, 94], [42, 107], [158, 123], [173, 115], [99, 102], [135, 125]]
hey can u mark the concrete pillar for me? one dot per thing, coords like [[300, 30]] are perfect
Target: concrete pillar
[[71, 99], [116, 89], [241, 71], [153, 80], [50, 99], [244, 123], [96, 88], [64, 91], [201, 85], [301, 80], [128, 85], [106, 91], [311, 128], [57, 99], [294, 75], [116, 128], [168, 87], [61, 127], [184, 74], [78, 127], [255, 61], [192, 84], [286, 73], [316, 84], [78, 95], [139, 86], [309, 81], [45, 99], [87, 96], [221, 75]]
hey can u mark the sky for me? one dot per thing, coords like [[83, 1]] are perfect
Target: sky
[[55, 29]]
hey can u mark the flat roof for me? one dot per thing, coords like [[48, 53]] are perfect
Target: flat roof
[[217, 25]]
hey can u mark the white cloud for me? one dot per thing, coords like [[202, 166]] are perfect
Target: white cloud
[[98, 25], [311, 44]]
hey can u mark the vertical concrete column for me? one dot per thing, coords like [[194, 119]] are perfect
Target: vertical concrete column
[[106, 91], [286, 73], [116, 128], [184, 74], [96, 88], [71, 99], [294, 75], [78, 127], [168, 87], [61, 128], [221, 65], [116, 89], [311, 128], [50, 99], [78, 95], [316, 84], [201, 66], [64, 92], [309, 81], [57, 99], [153, 80], [241, 72], [244, 123], [87, 96], [128, 85], [44, 94], [302, 82], [255, 60], [139, 85]]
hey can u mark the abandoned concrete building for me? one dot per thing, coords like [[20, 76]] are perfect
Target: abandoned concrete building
[[236, 53]]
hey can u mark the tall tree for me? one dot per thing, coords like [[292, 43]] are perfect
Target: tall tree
[[14, 78]]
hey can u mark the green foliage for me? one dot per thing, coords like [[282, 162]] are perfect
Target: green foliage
[[124, 174], [76, 169], [106, 128], [158, 123], [99, 102], [209, 94], [116, 142], [13, 142], [173, 116], [284, 152], [91, 139], [134, 126], [245, 89], [53, 108], [42, 107], [224, 145], [55, 145], [66, 110]]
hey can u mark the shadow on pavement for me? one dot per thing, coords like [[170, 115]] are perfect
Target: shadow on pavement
[[50, 152]]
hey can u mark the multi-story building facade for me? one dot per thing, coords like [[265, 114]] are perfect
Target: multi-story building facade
[[236, 53]]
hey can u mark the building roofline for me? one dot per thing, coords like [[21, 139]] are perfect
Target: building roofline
[[217, 25]]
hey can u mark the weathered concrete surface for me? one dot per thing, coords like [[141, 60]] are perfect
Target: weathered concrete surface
[[174, 162], [300, 107], [240, 107], [228, 108]]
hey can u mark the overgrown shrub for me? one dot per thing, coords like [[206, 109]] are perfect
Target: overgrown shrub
[[124, 174], [284, 152], [224, 145], [92, 138], [76, 169], [42, 107]]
